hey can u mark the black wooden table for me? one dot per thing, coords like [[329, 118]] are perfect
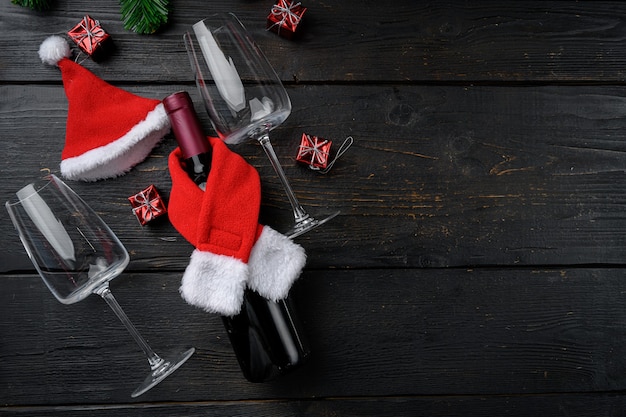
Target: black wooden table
[[477, 266]]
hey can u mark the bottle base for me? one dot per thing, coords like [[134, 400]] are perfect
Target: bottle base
[[267, 338]]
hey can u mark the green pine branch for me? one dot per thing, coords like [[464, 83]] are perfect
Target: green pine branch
[[144, 16], [38, 5]]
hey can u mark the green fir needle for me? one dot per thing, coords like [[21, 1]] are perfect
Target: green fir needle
[[38, 5], [144, 16]]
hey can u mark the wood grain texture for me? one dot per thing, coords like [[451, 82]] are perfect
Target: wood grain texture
[[450, 41], [374, 333], [445, 176], [578, 405], [477, 265]]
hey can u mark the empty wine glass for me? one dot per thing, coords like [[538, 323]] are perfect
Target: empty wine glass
[[76, 254], [242, 94]]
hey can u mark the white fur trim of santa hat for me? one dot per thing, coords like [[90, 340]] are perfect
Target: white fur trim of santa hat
[[118, 157], [214, 283], [275, 263]]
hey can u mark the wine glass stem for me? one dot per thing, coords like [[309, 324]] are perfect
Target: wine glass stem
[[298, 212], [154, 359]]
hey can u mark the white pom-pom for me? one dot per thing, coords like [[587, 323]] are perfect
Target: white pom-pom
[[53, 49]]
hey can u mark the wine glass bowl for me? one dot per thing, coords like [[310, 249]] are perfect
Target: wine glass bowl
[[73, 253], [242, 94], [241, 91], [77, 254]]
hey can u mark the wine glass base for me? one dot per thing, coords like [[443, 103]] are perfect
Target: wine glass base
[[308, 224], [162, 372]]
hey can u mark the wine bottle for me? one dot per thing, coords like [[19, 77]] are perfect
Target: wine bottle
[[267, 336]]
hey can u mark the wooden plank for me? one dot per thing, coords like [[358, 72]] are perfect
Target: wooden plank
[[447, 41], [580, 405], [373, 333], [438, 176], [477, 265]]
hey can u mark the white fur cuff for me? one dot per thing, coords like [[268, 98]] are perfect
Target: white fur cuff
[[215, 283], [120, 155], [275, 263]]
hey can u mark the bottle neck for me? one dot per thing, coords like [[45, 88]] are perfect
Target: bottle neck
[[185, 125]]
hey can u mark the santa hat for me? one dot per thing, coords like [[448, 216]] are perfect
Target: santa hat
[[109, 130], [232, 250]]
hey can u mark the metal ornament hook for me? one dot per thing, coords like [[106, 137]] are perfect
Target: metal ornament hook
[[342, 149]]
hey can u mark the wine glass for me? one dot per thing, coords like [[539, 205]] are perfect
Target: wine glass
[[76, 254], [242, 94]]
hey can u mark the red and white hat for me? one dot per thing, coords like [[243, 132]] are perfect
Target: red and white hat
[[109, 130]]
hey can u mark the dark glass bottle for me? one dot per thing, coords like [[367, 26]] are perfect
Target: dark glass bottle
[[267, 336]]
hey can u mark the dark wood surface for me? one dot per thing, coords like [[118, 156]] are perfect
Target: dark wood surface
[[477, 266]]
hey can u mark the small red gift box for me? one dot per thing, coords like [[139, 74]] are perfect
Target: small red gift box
[[90, 37], [314, 151], [285, 17], [147, 205]]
